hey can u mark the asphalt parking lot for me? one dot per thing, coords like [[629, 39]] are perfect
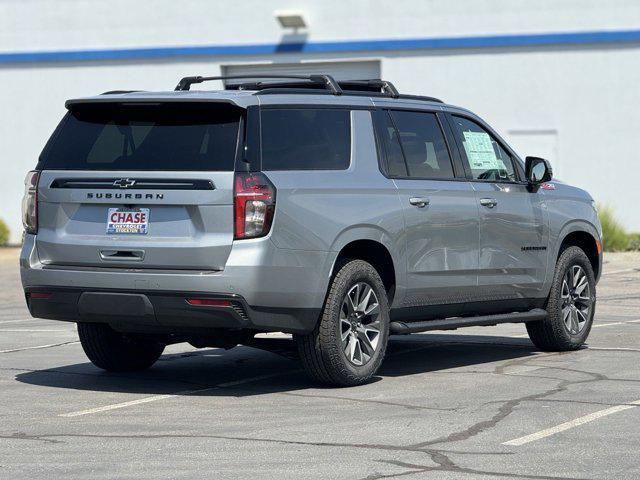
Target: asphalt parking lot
[[476, 403]]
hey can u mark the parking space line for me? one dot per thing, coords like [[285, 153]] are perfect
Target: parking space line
[[626, 270], [155, 398], [20, 320], [115, 406], [615, 349], [614, 323], [597, 325], [570, 424], [38, 347], [23, 330]]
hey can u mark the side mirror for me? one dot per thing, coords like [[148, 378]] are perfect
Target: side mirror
[[537, 170]]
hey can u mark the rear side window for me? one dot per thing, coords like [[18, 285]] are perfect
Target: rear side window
[[305, 139], [391, 143], [423, 144], [174, 136]]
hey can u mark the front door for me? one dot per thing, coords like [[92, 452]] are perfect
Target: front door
[[514, 232]]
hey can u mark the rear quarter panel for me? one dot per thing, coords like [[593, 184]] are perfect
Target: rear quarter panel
[[324, 210]]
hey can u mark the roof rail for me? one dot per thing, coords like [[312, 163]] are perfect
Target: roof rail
[[296, 90], [421, 98], [327, 80]]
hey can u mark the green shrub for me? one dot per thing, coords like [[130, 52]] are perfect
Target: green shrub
[[4, 234], [615, 239], [634, 242]]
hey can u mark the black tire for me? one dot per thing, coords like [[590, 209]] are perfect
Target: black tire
[[116, 352], [323, 352], [552, 334]]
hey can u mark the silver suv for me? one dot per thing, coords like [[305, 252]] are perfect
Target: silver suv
[[339, 212]]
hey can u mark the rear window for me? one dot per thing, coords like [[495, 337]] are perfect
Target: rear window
[[305, 139], [145, 137]]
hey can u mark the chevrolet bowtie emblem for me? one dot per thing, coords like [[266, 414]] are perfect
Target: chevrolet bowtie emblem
[[124, 183]]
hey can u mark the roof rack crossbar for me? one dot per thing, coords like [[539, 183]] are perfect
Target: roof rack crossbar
[[327, 80], [390, 88], [385, 86]]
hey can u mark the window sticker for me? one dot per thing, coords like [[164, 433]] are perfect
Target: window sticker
[[479, 148]]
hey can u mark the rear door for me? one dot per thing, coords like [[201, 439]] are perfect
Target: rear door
[[440, 210], [144, 185], [514, 232]]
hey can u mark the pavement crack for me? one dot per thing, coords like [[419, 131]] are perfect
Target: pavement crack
[[508, 406], [584, 402], [362, 400], [500, 369], [438, 457], [24, 436], [596, 376], [504, 411], [453, 468]]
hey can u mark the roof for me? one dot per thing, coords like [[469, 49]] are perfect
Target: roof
[[246, 98], [296, 89]]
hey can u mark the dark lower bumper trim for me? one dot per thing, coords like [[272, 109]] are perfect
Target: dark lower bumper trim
[[166, 311]]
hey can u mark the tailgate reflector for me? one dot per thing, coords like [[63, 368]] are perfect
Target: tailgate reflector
[[43, 295], [208, 302]]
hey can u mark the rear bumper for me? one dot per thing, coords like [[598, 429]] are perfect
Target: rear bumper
[[279, 290], [162, 311]]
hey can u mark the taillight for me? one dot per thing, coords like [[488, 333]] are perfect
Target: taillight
[[254, 204], [30, 202]]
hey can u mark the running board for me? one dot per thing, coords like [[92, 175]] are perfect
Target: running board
[[402, 328]]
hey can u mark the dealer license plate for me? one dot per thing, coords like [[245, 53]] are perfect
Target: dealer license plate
[[131, 222]]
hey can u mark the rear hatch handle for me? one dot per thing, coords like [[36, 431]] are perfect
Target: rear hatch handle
[[122, 255]]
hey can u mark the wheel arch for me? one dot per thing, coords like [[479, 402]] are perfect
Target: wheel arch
[[374, 246], [584, 235]]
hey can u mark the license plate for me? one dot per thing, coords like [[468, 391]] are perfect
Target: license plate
[[132, 222]]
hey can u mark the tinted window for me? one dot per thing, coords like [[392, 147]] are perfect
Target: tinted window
[[423, 144], [391, 144], [145, 137], [305, 139], [485, 157]]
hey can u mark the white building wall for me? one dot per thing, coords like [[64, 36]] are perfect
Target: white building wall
[[85, 24], [576, 104], [586, 96]]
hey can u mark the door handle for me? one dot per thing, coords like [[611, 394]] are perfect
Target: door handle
[[488, 202], [419, 202]]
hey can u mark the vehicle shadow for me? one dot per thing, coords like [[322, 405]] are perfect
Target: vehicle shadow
[[271, 366]]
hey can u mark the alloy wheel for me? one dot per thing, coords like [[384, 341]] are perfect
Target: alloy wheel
[[360, 323], [576, 299]]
